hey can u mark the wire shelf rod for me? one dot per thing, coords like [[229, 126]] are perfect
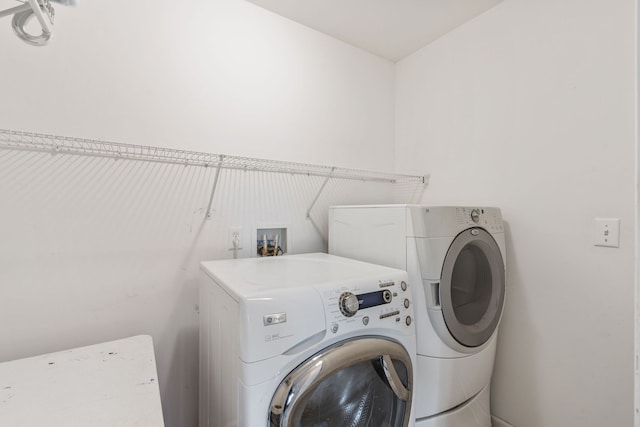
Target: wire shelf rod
[[18, 140]]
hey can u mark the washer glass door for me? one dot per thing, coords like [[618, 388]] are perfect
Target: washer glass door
[[363, 382], [472, 287]]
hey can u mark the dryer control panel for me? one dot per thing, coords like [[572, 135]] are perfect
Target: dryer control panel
[[487, 218], [385, 304]]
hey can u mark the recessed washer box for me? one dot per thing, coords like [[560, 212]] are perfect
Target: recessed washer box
[[271, 241]]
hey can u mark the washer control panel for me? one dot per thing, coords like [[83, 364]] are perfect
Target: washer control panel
[[350, 303], [385, 303]]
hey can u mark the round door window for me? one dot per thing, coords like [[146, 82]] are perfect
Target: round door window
[[472, 287], [363, 382]]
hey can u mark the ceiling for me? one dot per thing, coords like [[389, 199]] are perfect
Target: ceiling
[[391, 29]]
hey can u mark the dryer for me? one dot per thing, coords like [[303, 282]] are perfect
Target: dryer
[[456, 255], [305, 340]]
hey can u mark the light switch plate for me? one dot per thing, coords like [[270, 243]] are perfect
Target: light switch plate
[[606, 232]]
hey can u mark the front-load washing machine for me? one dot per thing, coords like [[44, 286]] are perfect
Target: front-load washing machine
[[305, 340], [456, 257]]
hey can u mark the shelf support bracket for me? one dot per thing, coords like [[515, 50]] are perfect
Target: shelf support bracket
[[14, 10], [320, 192], [213, 189]]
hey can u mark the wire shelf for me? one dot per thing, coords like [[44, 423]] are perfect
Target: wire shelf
[[17, 140]]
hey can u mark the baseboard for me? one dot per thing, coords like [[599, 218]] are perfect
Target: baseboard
[[497, 422]]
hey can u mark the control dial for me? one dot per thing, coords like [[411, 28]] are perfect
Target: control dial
[[475, 215], [386, 296], [348, 304]]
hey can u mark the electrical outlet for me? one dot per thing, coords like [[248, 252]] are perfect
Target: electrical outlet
[[234, 238], [606, 232]]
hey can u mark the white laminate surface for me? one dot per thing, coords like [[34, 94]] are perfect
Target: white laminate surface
[[112, 384]]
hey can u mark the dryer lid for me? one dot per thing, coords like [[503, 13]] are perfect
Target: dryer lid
[[472, 287]]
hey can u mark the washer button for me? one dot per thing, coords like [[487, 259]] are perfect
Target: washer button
[[403, 285], [365, 320], [334, 328], [408, 320], [406, 303]]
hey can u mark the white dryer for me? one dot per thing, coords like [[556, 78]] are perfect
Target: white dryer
[[305, 340], [457, 255]]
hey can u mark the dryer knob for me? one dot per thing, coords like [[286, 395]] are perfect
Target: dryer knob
[[348, 304], [475, 215]]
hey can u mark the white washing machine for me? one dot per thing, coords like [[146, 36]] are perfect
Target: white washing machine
[[305, 340], [457, 256]]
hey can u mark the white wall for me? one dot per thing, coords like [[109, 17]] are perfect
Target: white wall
[[531, 107], [95, 249], [206, 75]]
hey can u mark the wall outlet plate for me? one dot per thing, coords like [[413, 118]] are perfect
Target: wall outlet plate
[[234, 238]]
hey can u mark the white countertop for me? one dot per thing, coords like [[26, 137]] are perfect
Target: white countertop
[[112, 384]]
